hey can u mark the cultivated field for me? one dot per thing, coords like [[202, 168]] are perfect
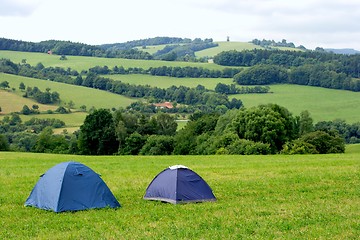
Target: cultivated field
[[259, 197]]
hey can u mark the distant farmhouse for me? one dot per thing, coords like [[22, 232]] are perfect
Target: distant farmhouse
[[167, 105]]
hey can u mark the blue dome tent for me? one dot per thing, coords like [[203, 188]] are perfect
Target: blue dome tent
[[179, 184], [71, 186]]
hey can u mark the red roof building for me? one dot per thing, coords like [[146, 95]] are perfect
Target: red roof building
[[167, 105]]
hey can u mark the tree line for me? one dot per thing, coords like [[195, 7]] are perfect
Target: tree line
[[200, 96], [264, 129], [178, 72], [319, 75], [183, 51], [271, 43], [347, 64]]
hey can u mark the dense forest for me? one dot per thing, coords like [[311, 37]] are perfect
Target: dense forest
[[311, 68]]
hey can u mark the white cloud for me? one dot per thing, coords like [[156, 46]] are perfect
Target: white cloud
[[17, 7], [326, 23]]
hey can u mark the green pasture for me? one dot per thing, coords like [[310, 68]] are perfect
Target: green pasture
[[165, 82], [84, 63], [323, 104], [353, 148], [153, 48], [259, 197], [77, 94], [11, 102], [226, 46], [289, 49]]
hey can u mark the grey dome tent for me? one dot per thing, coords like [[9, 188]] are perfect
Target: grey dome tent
[[71, 186], [179, 184]]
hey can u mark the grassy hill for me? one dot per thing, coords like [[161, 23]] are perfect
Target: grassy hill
[[238, 46], [226, 46], [78, 94], [11, 102], [258, 197], [84, 63], [323, 104], [165, 82]]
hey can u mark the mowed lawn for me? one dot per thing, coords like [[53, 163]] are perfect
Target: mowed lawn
[[259, 197]]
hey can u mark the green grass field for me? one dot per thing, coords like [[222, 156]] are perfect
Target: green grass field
[[226, 46], [165, 82], [153, 48], [353, 148], [323, 104], [79, 95], [259, 197], [11, 102], [84, 63]]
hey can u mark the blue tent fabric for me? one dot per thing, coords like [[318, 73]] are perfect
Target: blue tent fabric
[[71, 186], [179, 184]]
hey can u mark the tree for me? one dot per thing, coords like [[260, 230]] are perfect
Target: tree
[[158, 145], [4, 144], [269, 123], [97, 134], [47, 142], [305, 123], [325, 142], [262, 74], [166, 124], [26, 110], [22, 86], [133, 144], [83, 108], [4, 85], [222, 88]]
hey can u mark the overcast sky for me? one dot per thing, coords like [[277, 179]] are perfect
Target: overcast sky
[[312, 23]]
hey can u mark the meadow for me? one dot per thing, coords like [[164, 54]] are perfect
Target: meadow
[[77, 94], [166, 82], [258, 197], [323, 104], [80, 63], [226, 46], [11, 102]]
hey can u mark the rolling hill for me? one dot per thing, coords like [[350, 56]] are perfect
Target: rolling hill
[[323, 104], [80, 63]]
